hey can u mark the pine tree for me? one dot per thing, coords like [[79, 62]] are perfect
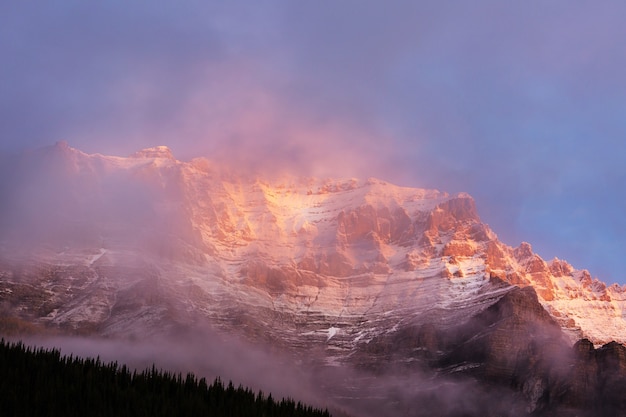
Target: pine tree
[[43, 382]]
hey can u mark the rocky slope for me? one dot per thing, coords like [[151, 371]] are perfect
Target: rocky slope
[[337, 252], [351, 269]]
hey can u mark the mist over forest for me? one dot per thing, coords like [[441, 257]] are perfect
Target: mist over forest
[[386, 209]]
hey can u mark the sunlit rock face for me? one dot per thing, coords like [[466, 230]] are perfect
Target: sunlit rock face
[[353, 270], [339, 251]]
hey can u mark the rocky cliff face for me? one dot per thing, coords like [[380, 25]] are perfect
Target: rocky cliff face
[[519, 354], [358, 270]]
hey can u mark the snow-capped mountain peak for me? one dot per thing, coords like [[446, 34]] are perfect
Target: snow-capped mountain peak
[[355, 256], [154, 152]]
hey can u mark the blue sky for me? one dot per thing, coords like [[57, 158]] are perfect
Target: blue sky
[[521, 104]]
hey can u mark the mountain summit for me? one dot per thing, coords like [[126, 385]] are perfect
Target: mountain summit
[[338, 248], [115, 246]]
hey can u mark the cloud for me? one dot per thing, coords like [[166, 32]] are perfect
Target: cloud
[[205, 353], [344, 390], [508, 101]]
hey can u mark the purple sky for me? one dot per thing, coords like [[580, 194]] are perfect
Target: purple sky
[[521, 104]]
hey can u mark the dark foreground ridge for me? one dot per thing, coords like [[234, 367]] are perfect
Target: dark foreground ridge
[[511, 359], [42, 382]]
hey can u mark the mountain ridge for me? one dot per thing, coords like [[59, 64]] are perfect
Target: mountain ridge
[[291, 240], [401, 293]]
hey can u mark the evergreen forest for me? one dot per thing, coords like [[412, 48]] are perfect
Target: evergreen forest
[[42, 382]]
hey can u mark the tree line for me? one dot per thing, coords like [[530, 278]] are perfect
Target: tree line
[[38, 381]]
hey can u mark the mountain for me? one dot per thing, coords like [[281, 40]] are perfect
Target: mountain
[[353, 273]]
